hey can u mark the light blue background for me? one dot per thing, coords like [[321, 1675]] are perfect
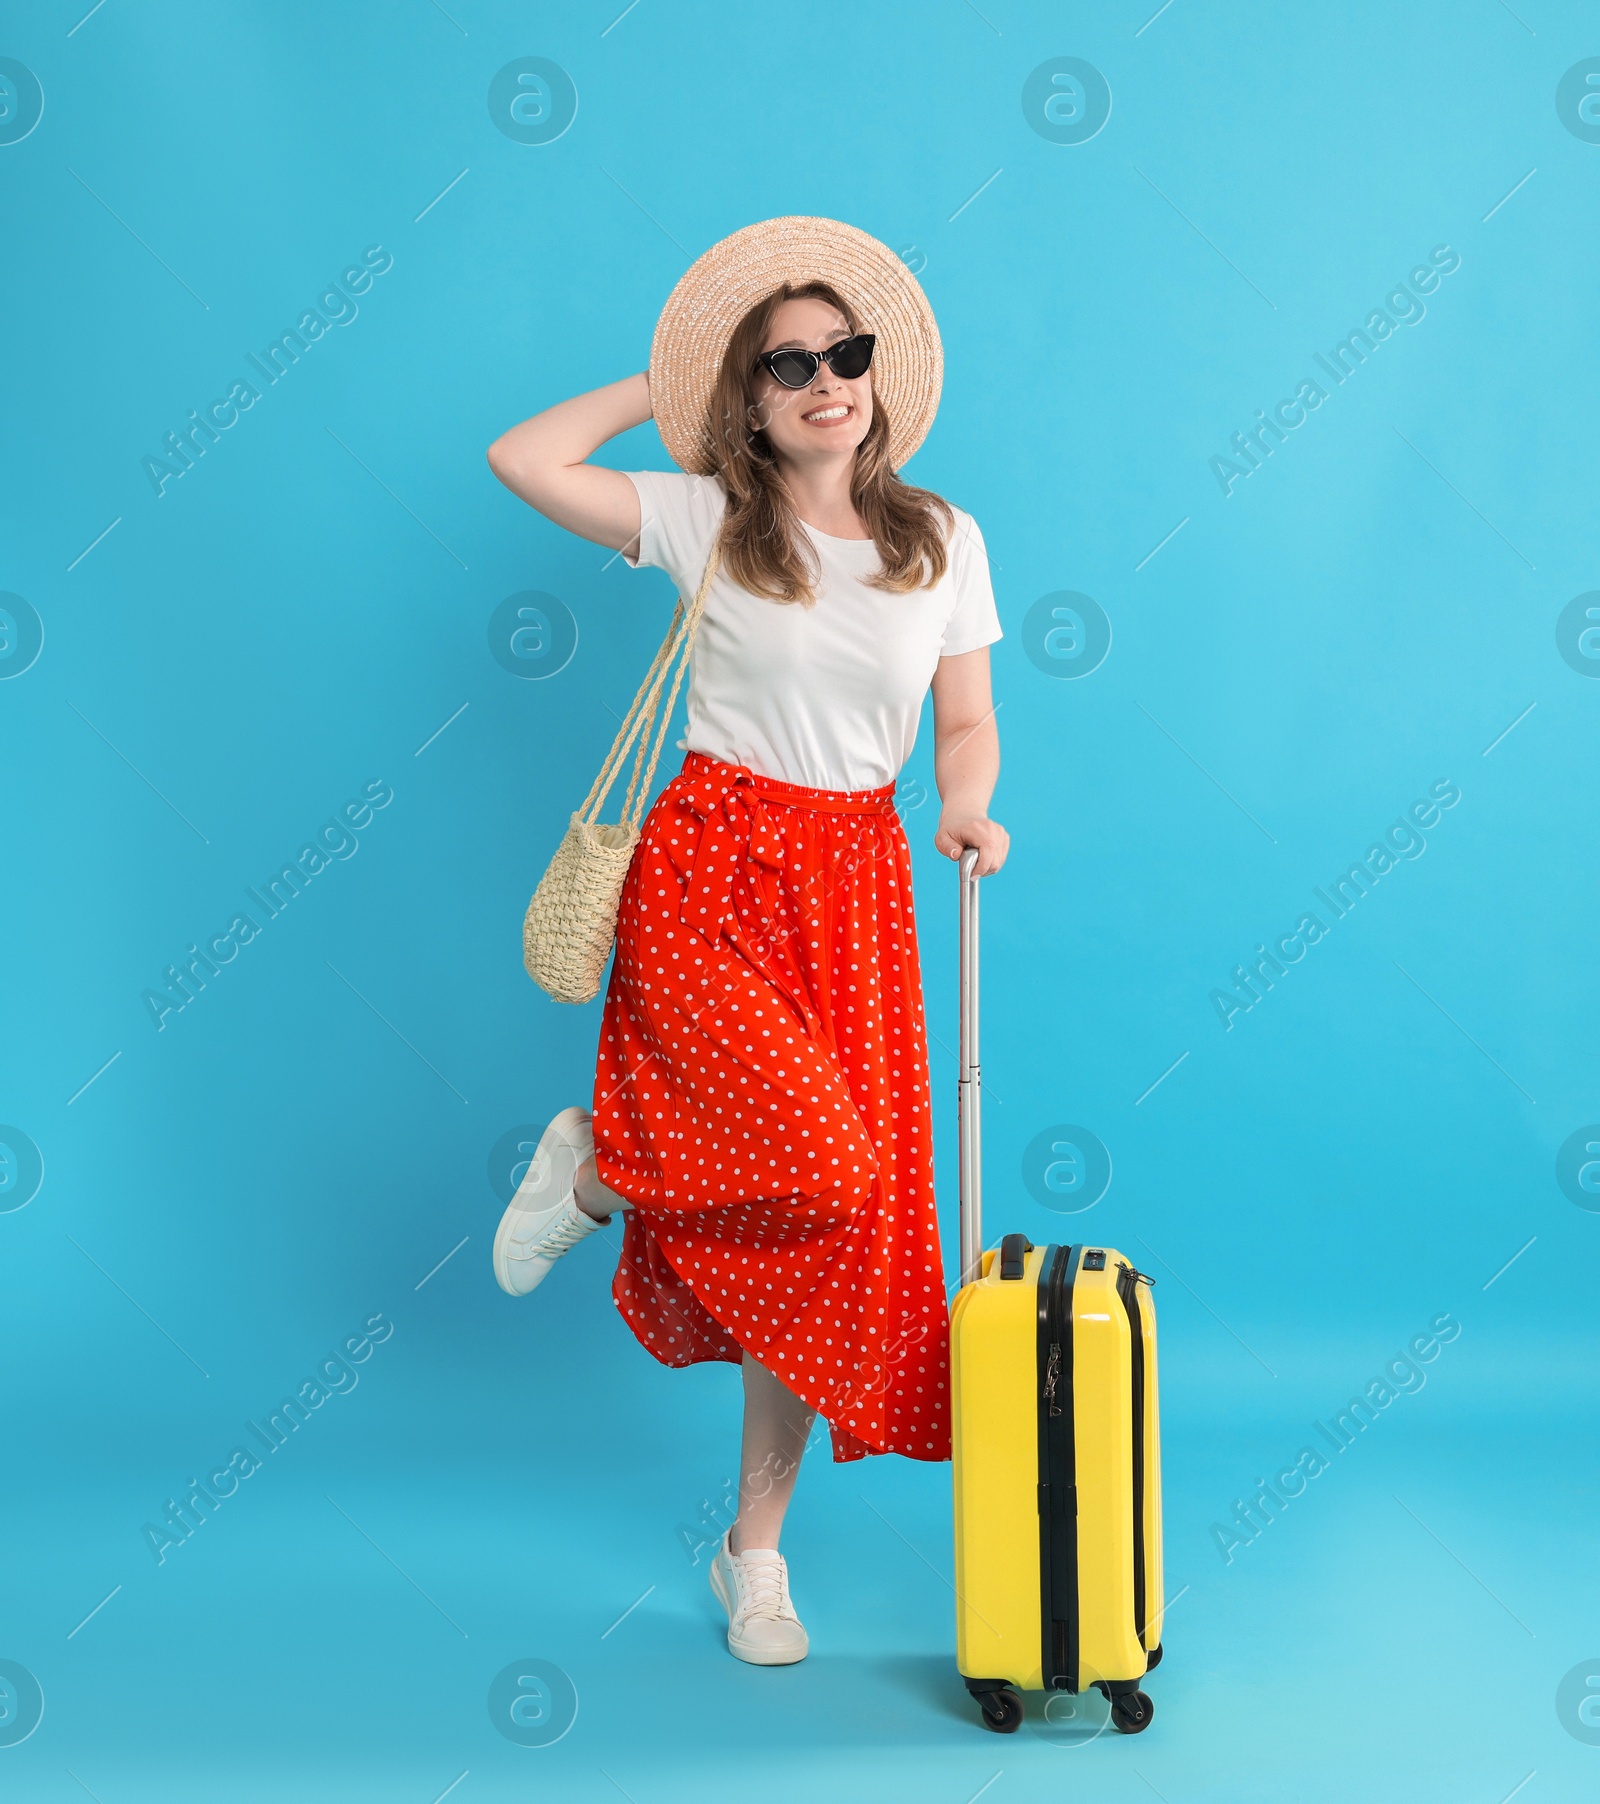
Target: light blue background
[[300, 613]]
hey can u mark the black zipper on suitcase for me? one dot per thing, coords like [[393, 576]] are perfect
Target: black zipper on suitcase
[[1058, 1497], [1128, 1284]]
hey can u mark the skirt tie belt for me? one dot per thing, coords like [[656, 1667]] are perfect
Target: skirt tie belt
[[731, 802]]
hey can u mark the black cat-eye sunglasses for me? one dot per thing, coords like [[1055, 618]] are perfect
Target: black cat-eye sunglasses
[[849, 358]]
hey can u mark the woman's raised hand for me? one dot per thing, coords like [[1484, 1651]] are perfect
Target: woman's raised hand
[[544, 460]]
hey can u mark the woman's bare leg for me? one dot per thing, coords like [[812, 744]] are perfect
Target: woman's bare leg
[[776, 1424], [593, 1197]]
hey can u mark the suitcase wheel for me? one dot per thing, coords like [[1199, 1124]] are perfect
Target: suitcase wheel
[[1131, 1712], [1002, 1711]]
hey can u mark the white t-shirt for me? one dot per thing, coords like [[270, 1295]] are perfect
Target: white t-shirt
[[830, 695]]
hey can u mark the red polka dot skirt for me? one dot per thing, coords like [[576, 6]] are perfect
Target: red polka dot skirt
[[761, 1097]]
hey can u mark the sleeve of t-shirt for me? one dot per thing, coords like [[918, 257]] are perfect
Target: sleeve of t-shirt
[[974, 620], [678, 520]]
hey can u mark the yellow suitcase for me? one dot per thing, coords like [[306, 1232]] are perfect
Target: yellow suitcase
[[1057, 1457]]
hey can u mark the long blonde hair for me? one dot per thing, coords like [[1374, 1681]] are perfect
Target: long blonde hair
[[763, 548]]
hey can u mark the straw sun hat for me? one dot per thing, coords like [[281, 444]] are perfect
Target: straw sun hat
[[721, 286]]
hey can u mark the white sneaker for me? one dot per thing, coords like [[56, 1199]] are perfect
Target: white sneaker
[[543, 1220], [753, 1587]]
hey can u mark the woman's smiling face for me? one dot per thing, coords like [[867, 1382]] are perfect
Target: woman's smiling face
[[828, 418]]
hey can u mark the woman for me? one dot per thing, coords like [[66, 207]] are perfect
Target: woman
[[761, 1095]]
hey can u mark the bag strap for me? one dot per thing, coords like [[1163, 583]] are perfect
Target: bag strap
[[641, 720]]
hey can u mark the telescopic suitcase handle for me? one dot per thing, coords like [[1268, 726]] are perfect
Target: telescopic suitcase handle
[[968, 1084]]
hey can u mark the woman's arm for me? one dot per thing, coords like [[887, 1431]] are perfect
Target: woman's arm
[[966, 760], [543, 461]]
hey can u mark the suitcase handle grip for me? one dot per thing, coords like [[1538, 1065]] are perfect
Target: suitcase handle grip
[[1014, 1251], [969, 1089]]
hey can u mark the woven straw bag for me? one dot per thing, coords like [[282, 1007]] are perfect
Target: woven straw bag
[[571, 923]]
